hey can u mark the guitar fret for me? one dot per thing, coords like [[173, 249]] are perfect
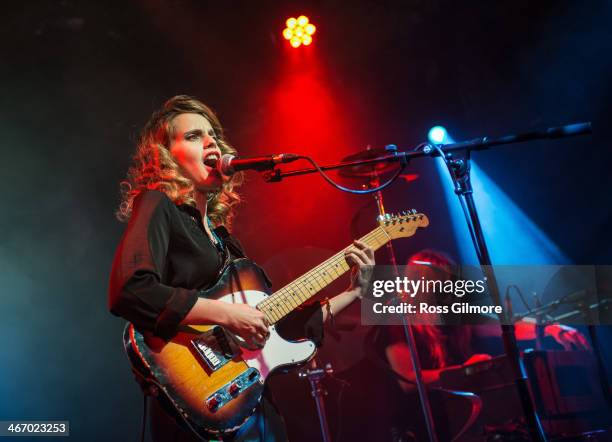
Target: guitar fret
[[270, 313], [280, 302], [307, 283], [294, 294], [289, 301], [280, 305], [300, 291], [319, 281]]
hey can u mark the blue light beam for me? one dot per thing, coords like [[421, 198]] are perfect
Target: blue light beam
[[511, 236]]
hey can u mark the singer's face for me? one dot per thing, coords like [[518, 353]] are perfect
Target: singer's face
[[192, 139]]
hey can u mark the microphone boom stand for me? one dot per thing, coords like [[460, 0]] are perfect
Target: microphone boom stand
[[460, 173]]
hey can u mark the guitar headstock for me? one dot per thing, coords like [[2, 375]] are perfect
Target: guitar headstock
[[403, 224]]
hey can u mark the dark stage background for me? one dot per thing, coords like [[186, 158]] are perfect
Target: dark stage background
[[79, 79]]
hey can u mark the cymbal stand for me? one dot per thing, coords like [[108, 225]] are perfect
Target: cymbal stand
[[408, 329]]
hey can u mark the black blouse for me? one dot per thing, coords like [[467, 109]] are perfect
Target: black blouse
[[165, 258]]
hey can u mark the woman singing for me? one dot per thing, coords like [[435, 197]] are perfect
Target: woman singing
[[175, 244]]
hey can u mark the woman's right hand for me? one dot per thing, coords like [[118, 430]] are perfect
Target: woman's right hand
[[248, 323]]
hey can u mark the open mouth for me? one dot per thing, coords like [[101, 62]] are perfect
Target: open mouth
[[212, 159]]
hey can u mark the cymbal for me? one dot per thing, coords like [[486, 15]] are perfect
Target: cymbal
[[371, 170], [366, 170]]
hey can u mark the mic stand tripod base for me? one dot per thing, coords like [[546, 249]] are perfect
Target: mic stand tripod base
[[315, 375]]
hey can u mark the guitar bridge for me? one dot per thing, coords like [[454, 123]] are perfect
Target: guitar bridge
[[215, 347]]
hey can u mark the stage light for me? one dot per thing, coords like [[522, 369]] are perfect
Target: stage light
[[299, 31], [438, 135], [310, 28], [500, 216]]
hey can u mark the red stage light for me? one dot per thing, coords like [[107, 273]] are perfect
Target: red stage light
[[291, 22], [310, 29], [299, 31]]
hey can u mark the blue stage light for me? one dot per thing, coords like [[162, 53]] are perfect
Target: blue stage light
[[501, 219], [437, 135]]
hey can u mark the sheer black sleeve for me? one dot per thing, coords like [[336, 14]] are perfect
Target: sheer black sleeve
[[136, 291]]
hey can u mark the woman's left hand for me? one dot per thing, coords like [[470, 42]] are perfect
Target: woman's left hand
[[361, 259]]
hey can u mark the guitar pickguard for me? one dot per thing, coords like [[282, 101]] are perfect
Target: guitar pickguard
[[277, 352]]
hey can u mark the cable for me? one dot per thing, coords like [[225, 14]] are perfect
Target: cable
[[355, 191], [520, 293], [423, 146]]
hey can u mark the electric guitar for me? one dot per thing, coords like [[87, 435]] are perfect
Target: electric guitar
[[212, 381]]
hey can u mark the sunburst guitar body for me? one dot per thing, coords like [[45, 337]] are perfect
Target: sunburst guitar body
[[210, 377]]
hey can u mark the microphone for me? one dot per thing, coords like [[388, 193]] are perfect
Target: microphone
[[229, 164]]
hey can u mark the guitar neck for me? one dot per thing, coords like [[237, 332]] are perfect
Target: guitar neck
[[284, 301]]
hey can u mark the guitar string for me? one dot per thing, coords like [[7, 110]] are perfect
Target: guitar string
[[285, 297], [281, 297], [286, 291], [287, 294]]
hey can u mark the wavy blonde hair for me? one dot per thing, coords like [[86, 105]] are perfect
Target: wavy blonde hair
[[154, 168]]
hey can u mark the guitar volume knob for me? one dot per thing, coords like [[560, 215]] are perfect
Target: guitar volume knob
[[213, 403], [234, 389]]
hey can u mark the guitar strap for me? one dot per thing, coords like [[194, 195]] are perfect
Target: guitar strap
[[236, 250], [232, 244]]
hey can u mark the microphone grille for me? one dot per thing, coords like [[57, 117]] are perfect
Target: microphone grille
[[225, 164]]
